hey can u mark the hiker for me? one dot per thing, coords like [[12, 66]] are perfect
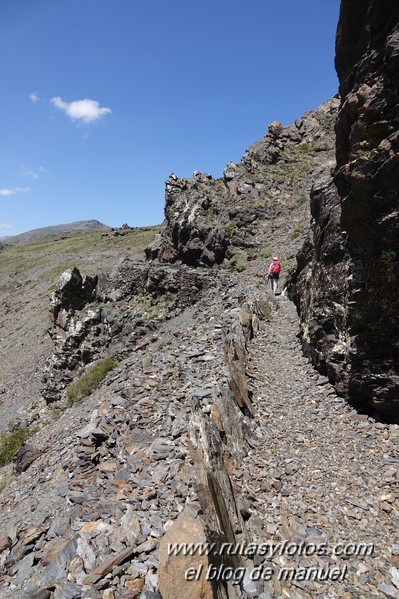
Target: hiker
[[273, 274]]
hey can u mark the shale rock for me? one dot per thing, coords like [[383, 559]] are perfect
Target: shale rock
[[78, 332], [173, 583], [161, 436], [24, 457], [348, 271]]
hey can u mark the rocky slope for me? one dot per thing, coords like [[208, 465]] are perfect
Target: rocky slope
[[348, 270], [28, 275], [98, 486], [210, 427], [100, 481]]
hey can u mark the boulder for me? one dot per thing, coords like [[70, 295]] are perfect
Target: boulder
[[180, 576]]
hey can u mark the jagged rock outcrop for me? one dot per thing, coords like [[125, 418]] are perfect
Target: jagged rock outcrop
[[180, 284], [90, 313], [78, 337], [348, 271], [191, 235], [208, 220], [219, 438]]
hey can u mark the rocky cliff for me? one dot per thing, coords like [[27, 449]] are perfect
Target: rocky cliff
[[208, 220], [346, 285]]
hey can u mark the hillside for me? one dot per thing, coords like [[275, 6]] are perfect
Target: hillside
[[28, 274], [168, 327], [259, 207], [156, 393], [43, 232]]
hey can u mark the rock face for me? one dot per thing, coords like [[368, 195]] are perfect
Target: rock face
[[348, 270], [71, 331], [208, 220], [86, 315]]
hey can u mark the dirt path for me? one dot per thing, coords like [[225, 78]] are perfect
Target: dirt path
[[321, 474]]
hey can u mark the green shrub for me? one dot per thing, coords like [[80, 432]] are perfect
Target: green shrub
[[244, 230], [304, 148], [91, 380], [9, 444], [229, 230], [265, 253], [296, 232], [239, 261]]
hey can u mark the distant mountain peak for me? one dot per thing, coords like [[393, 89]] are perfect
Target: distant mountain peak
[[41, 233]]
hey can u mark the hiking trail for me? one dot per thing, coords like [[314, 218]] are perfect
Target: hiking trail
[[320, 473]]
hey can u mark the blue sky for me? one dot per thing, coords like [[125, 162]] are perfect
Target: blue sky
[[103, 99]]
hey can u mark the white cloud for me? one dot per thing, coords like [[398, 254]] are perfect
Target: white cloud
[[10, 192], [32, 173], [86, 110], [4, 226], [34, 97], [29, 172]]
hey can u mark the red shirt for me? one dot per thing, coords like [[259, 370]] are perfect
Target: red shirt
[[277, 262]]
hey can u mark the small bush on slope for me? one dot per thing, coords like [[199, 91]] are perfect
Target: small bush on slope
[[91, 380]]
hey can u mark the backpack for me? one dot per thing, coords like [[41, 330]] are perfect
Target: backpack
[[276, 268]]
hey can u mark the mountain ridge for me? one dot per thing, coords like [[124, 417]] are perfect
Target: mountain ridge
[[42, 232]]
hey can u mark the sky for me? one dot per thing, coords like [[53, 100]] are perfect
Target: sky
[[103, 99]]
